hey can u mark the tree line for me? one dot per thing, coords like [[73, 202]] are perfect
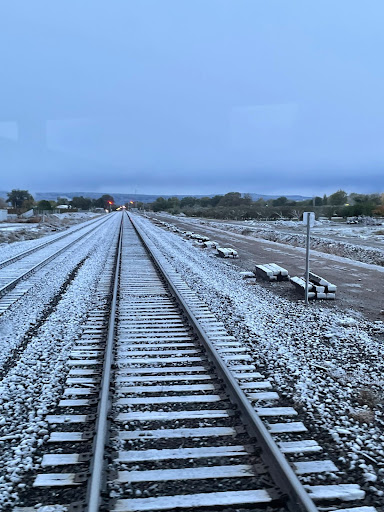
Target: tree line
[[22, 200], [235, 205], [232, 205]]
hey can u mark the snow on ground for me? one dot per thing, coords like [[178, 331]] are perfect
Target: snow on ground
[[362, 253], [267, 231], [8, 250], [356, 233], [11, 232], [13, 326], [76, 216], [9, 226], [330, 365], [33, 384], [283, 223]]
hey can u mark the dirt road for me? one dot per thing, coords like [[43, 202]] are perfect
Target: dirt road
[[360, 286]]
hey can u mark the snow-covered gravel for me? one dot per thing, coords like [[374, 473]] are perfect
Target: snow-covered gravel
[[330, 365], [327, 245], [15, 322], [33, 385], [9, 226], [8, 250], [354, 251]]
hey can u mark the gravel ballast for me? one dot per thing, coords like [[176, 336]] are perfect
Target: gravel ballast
[[34, 384], [328, 364]]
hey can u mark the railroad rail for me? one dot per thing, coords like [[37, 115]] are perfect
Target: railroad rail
[[162, 410], [15, 270], [52, 240]]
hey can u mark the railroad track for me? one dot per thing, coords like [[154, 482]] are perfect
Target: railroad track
[[14, 271], [152, 418], [59, 236]]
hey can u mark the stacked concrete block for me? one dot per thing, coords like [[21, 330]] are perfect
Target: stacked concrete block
[[265, 272], [198, 237], [210, 244], [227, 252], [271, 272], [319, 288], [280, 272], [329, 288], [299, 284], [166, 225]]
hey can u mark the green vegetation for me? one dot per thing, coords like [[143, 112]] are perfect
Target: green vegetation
[[18, 197], [44, 205], [228, 206], [81, 203], [241, 207], [21, 201], [103, 201]]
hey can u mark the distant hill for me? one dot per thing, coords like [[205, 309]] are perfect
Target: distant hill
[[255, 197], [145, 198]]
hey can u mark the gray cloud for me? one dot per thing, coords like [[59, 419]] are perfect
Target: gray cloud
[[192, 96]]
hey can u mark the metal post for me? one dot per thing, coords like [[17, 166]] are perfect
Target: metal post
[[307, 258]]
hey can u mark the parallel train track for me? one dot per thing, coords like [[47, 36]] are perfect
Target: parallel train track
[[52, 240], [14, 271], [163, 410]]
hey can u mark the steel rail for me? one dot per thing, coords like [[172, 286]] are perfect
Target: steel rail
[[278, 466], [22, 255], [97, 465], [8, 287]]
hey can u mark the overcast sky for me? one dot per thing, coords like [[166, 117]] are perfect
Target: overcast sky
[[192, 96]]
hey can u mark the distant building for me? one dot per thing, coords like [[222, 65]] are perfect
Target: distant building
[[3, 215]]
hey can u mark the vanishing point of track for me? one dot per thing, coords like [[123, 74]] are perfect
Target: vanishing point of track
[[152, 418]]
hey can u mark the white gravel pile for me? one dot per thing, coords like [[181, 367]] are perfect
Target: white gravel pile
[[330, 365], [34, 384]]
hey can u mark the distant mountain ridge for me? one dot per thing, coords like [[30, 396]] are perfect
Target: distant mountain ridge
[[121, 198]]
